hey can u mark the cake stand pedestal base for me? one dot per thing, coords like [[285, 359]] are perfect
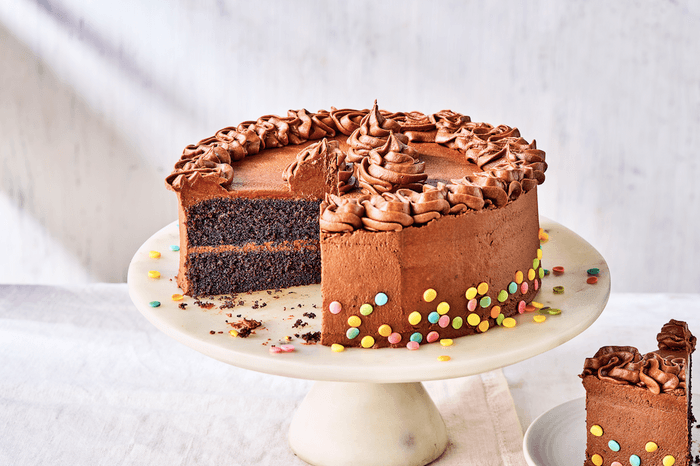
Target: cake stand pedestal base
[[387, 424]]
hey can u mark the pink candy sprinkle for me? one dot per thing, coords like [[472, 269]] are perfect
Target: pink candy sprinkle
[[432, 336], [412, 345], [287, 348], [444, 321], [471, 305], [275, 349], [521, 306], [537, 284], [394, 338], [524, 287], [335, 307]]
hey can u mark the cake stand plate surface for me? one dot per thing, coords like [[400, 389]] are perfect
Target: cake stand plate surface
[[375, 408], [581, 304]]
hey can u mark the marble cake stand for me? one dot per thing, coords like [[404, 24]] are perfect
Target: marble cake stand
[[375, 408]]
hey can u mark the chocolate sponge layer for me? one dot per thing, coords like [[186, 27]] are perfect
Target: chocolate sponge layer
[[212, 273], [239, 221]]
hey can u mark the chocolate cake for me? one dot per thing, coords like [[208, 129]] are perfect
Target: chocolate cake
[[638, 406], [419, 227]]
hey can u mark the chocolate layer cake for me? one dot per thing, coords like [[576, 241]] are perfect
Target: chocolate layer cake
[[638, 407], [418, 227]]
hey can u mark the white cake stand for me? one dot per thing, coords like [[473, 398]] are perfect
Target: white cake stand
[[368, 406]]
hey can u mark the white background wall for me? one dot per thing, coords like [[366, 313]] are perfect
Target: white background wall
[[97, 100]]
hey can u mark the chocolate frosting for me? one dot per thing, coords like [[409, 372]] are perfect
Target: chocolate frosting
[[316, 153], [381, 158], [341, 214], [657, 372]]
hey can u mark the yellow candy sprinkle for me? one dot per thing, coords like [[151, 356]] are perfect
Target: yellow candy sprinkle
[[443, 308], [429, 295], [153, 274], [484, 326], [471, 293], [233, 333], [539, 254], [354, 321], [443, 358], [539, 318], [367, 341], [651, 447], [177, 297], [337, 348], [597, 460], [668, 460], [154, 255], [384, 330], [518, 277], [543, 236], [483, 288], [446, 342], [495, 311], [537, 305], [597, 430], [414, 318], [531, 274], [473, 319], [509, 322]]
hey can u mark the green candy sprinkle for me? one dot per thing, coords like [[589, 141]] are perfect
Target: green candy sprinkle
[[499, 319], [558, 290], [485, 301], [154, 303], [502, 296], [540, 272], [594, 271], [366, 309], [535, 263], [457, 323], [554, 312]]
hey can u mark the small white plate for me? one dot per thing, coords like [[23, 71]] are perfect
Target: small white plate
[[558, 437]]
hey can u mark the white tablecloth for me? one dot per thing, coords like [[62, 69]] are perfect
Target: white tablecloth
[[86, 380]]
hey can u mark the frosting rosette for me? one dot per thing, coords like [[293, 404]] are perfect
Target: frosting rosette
[[341, 214], [322, 152], [427, 205], [372, 133], [675, 336], [387, 212], [390, 167], [347, 120], [615, 364], [464, 195]]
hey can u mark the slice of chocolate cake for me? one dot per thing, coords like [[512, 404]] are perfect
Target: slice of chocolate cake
[[638, 406]]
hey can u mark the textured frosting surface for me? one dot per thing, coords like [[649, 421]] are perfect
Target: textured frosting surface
[[656, 372]]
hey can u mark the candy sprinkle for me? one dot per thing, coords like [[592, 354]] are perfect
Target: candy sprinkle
[[174, 247], [335, 307], [414, 318], [443, 358], [592, 280], [635, 460], [354, 321], [154, 254], [367, 341], [443, 308], [177, 297], [429, 295], [384, 330], [553, 311], [597, 460], [366, 309], [153, 274], [233, 333], [394, 338], [558, 270], [539, 318], [154, 303], [593, 271], [651, 447], [509, 322], [287, 348], [337, 348], [412, 345], [381, 299], [596, 430], [537, 305], [558, 289], [446, 342], [668, 460]]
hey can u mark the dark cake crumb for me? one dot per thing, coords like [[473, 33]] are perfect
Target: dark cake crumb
[[182, 306], [310, 315], [311, 337], [300, 324]]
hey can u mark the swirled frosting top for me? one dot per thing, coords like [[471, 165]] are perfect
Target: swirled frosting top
[[387, 154], [663, 371]]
